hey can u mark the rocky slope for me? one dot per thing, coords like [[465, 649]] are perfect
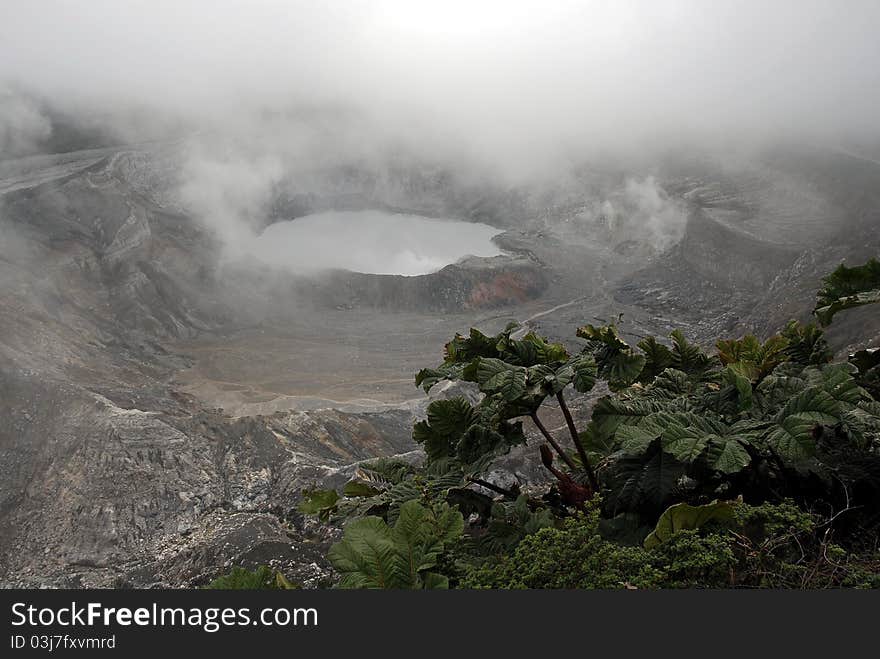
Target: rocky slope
[[161, 409]]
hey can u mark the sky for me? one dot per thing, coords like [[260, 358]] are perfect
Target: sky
[[504, 80]]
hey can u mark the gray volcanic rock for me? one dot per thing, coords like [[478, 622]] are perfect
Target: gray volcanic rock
[[224, 540], [111, 485], [161, 410], [759, 238], [472, 283], [101, 457]]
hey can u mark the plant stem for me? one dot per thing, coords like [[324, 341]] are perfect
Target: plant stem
[[552, 441], [594, 483], [489, 486]]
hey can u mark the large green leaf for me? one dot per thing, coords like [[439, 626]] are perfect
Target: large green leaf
[[839, 381], [659, 477], [367, 556], [448, 420], [750, 358], [476, 344], [373, 555], [584, 372], [530, 350], [806, 344], [428, 377], [792, 436], [495, 376], [846, 288], [606, 335], [657, 358], [357, 488], [596, 444], [683, 434], [688, 357], [471, 435], [451, 416], [776, 390], [616, 361], [635, 439], [683, 443], [671, 383], [727, 455], [610, 412], [812, 399], [446, 523], [534, 349], [683, 516], [639, 482], [384, 471], [318, 502], [622, 369], [416, 546], [735, 376]]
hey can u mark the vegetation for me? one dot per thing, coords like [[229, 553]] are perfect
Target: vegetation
[[846, 288], [375, 555], [757, 465], [263, 578], [769, 546]]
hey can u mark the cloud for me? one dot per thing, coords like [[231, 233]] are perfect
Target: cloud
[[23, 127], [273, 92], [229, 191], [507, 80], [652, 215]]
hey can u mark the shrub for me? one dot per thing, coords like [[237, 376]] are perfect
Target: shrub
[[767, 546], [263, 578]]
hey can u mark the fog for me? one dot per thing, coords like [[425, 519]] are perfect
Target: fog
[[504, 80], [265, 91]]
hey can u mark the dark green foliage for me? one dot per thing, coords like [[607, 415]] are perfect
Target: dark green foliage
[[380, 487], [319, 502], [263, 578], [643, 483], [767, 441], [750, 358], [617, 363], [684, 434], [746, 422], [472, 435], [373, 554], [510, 522], [846, 288], [577, 556], [867, 362], [657, 358], [776, 546], [528, 351], [687, 357], [806, 344], [515, 377]]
